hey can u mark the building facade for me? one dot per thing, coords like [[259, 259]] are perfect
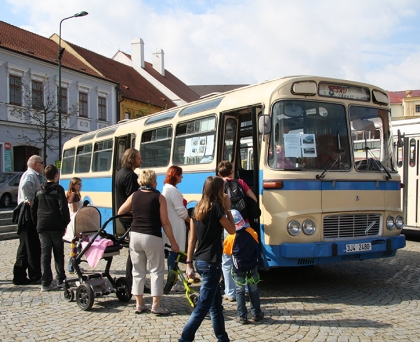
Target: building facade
[[28, 98]]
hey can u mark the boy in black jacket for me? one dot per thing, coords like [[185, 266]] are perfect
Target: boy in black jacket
[[50, 213], [243, 246]]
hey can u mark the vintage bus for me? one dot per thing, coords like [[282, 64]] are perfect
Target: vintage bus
[[406, 148], [291, 140]]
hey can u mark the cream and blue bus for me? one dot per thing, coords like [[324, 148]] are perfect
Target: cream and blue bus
[[294, 140]]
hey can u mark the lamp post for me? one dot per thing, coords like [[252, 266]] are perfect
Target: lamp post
[[60, 55]]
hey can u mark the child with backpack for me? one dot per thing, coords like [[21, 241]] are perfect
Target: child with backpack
[[243, 246], [237, 190]]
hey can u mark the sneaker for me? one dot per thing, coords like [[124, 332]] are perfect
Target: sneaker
[[178, 287], [60, 284], [258, 317], [52, 287], [229, 299], [243, 320]]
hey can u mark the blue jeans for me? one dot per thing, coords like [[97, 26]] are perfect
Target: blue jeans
[[227, 276], [210, 300], [254, 295], [52, 241], [171, 260]]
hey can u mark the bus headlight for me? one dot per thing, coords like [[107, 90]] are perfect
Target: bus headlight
[[308, 227], [390, 224], [399, 222], [293, 227]]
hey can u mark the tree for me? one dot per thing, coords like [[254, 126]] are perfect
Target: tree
[[39, 114]]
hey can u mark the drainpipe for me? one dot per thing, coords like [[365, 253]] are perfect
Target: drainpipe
[[117, 89]]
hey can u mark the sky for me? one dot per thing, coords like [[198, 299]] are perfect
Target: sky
[[243, 42]]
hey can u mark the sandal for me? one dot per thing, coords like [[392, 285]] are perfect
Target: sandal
[[139, 309], [159, 311]]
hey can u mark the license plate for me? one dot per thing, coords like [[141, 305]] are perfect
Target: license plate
[[358, 247]]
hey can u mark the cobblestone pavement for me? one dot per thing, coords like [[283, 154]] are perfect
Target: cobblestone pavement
[[374, 300]]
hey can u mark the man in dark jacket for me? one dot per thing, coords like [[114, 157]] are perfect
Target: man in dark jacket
[[50, 213], [27, 268], [125, 185]]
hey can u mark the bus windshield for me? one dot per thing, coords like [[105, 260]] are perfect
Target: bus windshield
[[371, 138], [309, 135]]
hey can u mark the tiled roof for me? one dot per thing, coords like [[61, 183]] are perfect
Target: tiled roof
[[171, 82], [397, 96], [132, 84], [30, 44]]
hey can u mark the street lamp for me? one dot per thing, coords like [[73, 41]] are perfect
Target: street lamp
[[60, 55]]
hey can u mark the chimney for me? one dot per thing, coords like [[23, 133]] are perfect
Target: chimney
[[137, 52], [158, 61]]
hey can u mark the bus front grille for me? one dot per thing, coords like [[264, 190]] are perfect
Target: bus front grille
[[349, 226]]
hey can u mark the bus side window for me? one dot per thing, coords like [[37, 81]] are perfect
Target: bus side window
[[197, 141], [102, 156], [68, 161], [83, 158], [155, 148]]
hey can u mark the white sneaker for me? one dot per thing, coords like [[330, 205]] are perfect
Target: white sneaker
[[178, 287]]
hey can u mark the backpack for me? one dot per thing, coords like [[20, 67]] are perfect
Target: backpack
[[237, 197], [243, 246]]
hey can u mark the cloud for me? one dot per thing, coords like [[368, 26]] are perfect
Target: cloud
[[227, 42]]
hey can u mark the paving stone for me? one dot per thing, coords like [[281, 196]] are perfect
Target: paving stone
[[373, 300]]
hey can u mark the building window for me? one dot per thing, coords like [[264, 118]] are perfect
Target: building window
[[83, 105], [15, 87], [37, 95], [64, 104], [417, 108], [102, 108]]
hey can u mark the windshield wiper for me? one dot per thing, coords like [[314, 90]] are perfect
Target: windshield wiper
[[331, 163], [380, 166]]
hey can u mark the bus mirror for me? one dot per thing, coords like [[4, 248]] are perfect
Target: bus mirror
[[264, 124]]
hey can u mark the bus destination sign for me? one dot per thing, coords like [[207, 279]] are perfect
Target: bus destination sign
[[344, 91]]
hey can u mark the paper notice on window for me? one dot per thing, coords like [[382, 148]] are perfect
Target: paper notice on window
[[191, 147], [292, 146], [308, 145]]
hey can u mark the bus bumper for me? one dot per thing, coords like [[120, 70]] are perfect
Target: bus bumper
[[304, 254]]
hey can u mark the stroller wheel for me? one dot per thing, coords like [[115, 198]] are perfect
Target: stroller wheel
[[193, 297], [170, 282], [69, 295], [123, 289], [84, 297]]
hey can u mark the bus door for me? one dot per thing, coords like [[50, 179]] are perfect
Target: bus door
[[410, 174], [121, 144], [240, 144]]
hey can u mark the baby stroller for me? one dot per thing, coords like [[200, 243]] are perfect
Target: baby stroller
[[176, 274], [89, 285]]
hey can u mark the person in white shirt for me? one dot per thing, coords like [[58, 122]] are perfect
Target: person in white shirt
[[177, 214]]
